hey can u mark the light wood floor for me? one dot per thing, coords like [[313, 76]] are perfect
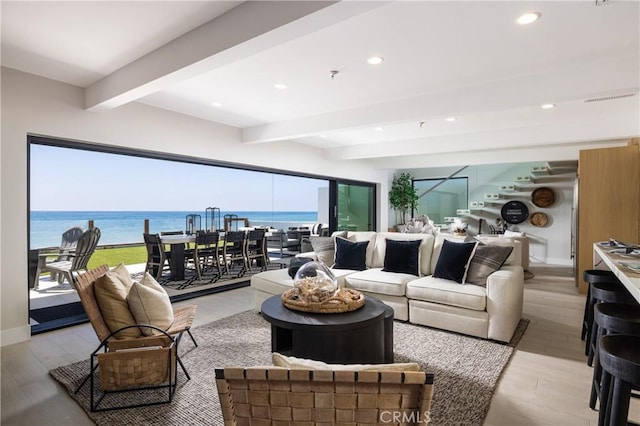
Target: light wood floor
[[546, 383]]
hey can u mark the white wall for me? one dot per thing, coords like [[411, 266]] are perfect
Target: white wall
[[550, 244], [34, 105]]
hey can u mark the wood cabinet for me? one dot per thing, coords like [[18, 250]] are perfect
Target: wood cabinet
[[608, 200]]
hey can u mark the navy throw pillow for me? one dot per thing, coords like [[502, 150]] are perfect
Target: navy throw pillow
[[402, 256], [351, 255], [454, 260]]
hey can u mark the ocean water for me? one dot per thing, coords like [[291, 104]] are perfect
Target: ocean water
[[119, 227]]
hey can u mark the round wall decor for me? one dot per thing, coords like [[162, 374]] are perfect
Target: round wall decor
[[539, 219], [514, 212], [543, 197]]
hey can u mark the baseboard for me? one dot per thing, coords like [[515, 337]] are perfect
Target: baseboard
[[557, 261], [15, 335]]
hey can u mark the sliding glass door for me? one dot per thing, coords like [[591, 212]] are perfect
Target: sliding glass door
[[354, 206]]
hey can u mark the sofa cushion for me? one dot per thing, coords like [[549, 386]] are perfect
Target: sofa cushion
[[424, 254], [278, 281], [485, 261], [454, 260], [515, 258], [439, 239], [376, 280], [350, 255], [401, 256], [369, 236], [324, 248], [447, 292], [303, 363]]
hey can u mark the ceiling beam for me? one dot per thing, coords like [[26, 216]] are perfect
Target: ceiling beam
[[561, 85], [250, 27], [558, 152], [542, 136]]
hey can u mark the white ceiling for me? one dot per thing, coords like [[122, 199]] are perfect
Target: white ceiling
[[464, 59]]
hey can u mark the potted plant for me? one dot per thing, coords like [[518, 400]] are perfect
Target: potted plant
[[459, 227], [403, 197]]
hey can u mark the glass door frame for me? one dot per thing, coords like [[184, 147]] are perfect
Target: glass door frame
[[334, 207]]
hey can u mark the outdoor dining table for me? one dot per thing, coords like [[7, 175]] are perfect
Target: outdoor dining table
[[177, 243]]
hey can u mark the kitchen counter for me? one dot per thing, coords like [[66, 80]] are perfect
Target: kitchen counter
[[630, 279]]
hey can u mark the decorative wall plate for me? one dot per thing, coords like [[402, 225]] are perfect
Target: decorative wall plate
[[514, 212], [539, 219], [543, 197]]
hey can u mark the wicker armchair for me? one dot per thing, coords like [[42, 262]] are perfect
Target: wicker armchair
[[183, 316], [274, 395]]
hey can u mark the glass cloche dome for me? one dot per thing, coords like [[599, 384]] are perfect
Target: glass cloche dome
[[314, 282]]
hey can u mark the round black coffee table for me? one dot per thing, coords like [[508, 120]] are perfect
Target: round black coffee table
[[363, 336]]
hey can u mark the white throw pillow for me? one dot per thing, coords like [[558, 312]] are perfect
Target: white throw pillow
[[149, 303], [280, 360]]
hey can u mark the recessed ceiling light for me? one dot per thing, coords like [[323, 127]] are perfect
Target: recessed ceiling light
[[378, 129], [451, 119], [323, 136], [528, 18], [280, 86], [548, 106], [375, 60], [216, 104]]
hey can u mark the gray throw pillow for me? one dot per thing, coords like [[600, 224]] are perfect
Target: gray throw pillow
[[485, 261], [325, 247]]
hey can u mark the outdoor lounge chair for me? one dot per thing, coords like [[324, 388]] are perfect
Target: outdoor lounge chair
[[67, 245], [77, 259]]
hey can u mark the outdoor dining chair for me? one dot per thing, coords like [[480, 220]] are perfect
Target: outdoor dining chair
[[256, 249], [234, 251], [206, 253], [158, 260]]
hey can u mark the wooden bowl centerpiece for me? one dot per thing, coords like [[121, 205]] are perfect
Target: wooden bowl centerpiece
[[316, 289]]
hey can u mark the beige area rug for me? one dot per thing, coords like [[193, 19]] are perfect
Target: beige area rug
[[466, 371]]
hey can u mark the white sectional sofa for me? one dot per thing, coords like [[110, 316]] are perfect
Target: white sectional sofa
[[490, 312]]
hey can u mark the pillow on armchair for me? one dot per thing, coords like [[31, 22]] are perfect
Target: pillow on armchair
[[291, 362], [149, 304], [111, 295]]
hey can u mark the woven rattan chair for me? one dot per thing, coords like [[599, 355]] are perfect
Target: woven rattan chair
[[183, 315], [133, 365], [274, 395]]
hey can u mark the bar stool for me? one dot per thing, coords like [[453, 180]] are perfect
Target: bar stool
[[607, 293], [591, 276], [612, 318], [620, 359]]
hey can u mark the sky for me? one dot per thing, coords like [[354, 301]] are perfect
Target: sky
[[72, 179]]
